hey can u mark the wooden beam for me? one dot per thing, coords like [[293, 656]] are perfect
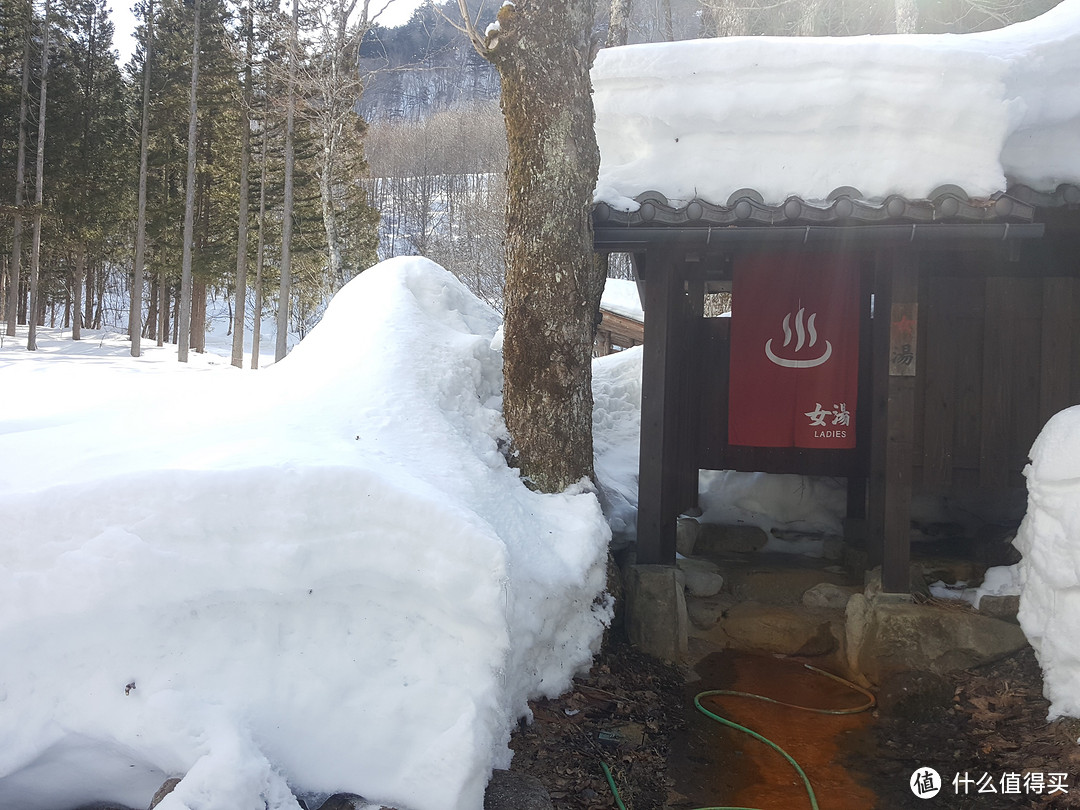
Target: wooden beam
[[892, 452], [658, 465]]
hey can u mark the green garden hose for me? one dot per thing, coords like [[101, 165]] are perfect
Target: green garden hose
[[802, 774]]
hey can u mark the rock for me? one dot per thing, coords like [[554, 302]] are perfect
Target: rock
[[656, 619], [704, 613], [827, 595], [687, 532], [702, 577], [833, 547], [1000, 607], [756, 627], [715, 538], [166, 788], [510, 790], [900, 636], [778, 586], [915, 696]]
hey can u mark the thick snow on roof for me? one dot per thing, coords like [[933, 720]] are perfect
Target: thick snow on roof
[[791, 116]]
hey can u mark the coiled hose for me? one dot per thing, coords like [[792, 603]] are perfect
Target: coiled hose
[[731, 724]]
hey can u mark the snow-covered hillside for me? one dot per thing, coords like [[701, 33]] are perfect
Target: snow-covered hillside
[[317, 577]]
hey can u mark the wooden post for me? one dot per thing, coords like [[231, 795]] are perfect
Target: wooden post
[[896, 293], [658, 464]]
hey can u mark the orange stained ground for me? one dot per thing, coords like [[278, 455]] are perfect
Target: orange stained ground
[[716, 766]]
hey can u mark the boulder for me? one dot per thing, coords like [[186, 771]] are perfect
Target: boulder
[[893, 636], [167, 787], [828, 595], [511, 790], [702, 577], [687, 532], [705, 612], [1000, 607], [779, 629]]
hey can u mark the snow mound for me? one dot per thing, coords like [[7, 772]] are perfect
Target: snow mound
[[802, 116], [621, 297], [316, 578], [1049, 572]]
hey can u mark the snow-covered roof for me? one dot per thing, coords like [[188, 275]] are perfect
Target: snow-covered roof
[[801, 117], [621, 298]]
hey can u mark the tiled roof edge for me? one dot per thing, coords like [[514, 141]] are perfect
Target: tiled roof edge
[[844, 206]]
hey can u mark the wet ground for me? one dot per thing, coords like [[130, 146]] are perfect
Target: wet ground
[[712, 765]]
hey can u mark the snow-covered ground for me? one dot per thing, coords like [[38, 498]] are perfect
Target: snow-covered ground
[[806, 115], [317, 577]]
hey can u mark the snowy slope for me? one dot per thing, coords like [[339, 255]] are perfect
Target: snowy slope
[[806, 115], [318, 577]]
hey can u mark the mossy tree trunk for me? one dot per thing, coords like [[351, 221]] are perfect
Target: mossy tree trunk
[[543, 50]]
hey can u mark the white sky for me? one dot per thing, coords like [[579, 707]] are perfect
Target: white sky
[[397, 13]]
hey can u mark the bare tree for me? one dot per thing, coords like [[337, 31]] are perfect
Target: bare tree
[[284, 292], [183, 327], [135, 317], [20, 187], [242, 214], [543, 50], [39, 193]]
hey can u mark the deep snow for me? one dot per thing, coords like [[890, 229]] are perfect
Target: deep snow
[[318, 577]]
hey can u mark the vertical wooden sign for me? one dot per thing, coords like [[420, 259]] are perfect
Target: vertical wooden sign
[[903, 337]]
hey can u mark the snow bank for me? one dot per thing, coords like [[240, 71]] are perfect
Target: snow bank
[[805, 115], [316, 578], [617, 437], [1049, 539]]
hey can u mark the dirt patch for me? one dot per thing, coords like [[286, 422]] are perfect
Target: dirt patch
[[634, 713], [995, 727]]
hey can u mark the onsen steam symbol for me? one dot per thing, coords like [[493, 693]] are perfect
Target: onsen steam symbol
[[801, 332]]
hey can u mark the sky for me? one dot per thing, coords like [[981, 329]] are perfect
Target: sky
[[397, 13]]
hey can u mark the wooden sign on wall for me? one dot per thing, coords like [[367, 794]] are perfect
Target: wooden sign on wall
[[903, 336]]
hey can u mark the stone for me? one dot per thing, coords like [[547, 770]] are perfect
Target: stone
[[827, 595], [779, 629], [898, 636], [914, 696], [656, 618], [715, 538], [687, 532], [705, 612], [779, 586], [833, 547], [1000, 607], [510, 790], [702, 577], [167, 787]]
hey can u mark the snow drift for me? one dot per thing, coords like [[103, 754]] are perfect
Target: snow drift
[[317, 578], [802, 116], [1049, 539]]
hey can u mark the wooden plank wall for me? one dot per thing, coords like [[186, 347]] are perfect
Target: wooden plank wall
[[1000, 355]]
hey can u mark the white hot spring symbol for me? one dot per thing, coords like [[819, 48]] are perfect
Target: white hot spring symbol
[[802, 332]]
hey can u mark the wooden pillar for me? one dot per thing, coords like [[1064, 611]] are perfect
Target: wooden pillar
[[896, 294], [658, 465]]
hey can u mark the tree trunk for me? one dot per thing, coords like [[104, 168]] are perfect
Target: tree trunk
[[281, 346], [907, 16], [20, 188], [135, 317], [242, 225], [256, 322], [553, 282], [77, 288], [183, 324], [619, 28], [39, 193]]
